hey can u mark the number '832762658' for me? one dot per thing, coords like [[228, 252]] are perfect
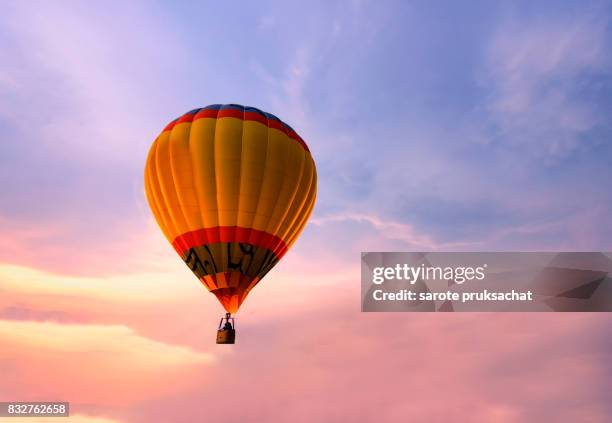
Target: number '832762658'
[[23, 409]]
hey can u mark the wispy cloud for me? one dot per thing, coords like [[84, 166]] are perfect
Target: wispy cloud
[[540, 74], [140, 286], [85, 248], [391, 230]]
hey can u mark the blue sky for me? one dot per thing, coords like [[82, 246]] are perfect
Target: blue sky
[[434, 125]]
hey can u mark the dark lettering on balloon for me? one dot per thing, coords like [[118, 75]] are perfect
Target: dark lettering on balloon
[[193, 262], [210, 261], [201, 265], [248, 251], [234, 263]]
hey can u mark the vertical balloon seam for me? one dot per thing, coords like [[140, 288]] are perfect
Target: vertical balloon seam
[[306, 215], [195, 219], [220, 192], [299, 205], [266, 226], [277, 231], [235, 228], [179, 211], [156, 191], [171, 220], [284, 137], [166, 189], [249, 227], [271, 227], [234, 200], [176, 137], [212, 132], [214, 169], [259, 234], [307, 180], [312, 196], [301, 217], [244, 278], [299, 226], [154, 204], [194, 179], [152, 195]]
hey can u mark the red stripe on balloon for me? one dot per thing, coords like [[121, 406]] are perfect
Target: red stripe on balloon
[[206, 113], [238, 114], [200, 237]]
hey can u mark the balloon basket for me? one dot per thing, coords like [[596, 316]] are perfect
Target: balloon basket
[[226, 334]]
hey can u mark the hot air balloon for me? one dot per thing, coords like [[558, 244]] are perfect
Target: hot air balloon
[[231, 188]]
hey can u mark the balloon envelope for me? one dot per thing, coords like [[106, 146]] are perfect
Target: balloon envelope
[[231, 187]]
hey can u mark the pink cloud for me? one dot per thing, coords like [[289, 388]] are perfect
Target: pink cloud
[[75, 248], [305, 353], [337, 364], [101, 364]]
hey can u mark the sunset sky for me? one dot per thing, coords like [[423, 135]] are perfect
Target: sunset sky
[[446, 125]]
